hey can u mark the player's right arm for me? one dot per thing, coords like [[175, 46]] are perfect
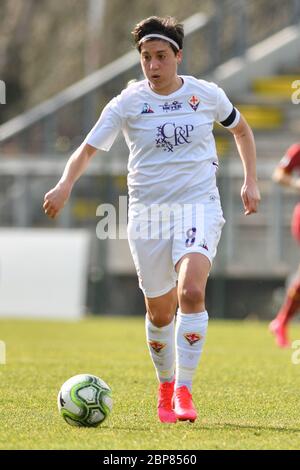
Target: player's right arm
[[56, 198], [101, 137]]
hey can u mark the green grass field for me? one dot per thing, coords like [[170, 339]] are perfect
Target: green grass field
[[247, 391]]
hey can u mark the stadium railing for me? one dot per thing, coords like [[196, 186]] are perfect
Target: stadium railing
[[60, 123]]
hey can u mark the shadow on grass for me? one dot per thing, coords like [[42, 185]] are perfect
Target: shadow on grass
[[247, 426], [205, 426]]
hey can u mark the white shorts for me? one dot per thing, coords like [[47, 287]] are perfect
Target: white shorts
[[157, 247]]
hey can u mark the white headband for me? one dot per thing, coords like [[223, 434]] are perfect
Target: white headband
[[159, 36]]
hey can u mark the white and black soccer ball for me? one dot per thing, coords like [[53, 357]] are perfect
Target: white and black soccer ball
[[84, 400]]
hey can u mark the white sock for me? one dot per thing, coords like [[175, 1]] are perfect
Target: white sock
[[189, 337], [161, 344]]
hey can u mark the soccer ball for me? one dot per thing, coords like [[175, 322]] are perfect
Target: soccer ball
[[84, 400]]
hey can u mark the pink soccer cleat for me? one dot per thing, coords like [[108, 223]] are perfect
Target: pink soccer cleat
[[183, 405], [164, 407], [280, 332]]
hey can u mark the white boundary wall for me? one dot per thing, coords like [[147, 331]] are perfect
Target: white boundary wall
[[43, 273]]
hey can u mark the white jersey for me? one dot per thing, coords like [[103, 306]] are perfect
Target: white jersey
[[173, 155]]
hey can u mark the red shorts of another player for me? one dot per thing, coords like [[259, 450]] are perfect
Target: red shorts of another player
[[296, 223]]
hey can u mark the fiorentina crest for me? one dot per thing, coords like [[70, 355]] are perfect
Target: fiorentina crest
[[192, 338], [194, 102], [157, 346]]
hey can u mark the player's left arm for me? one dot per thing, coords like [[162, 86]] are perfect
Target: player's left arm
[[245, 143]]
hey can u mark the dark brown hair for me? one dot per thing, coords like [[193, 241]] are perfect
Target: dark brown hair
[[167, 26]]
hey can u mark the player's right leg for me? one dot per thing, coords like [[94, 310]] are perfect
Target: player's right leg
[[160, 333], [157, 279]]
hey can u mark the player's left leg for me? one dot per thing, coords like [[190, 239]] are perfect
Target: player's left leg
[[196, 238], [191, 327]]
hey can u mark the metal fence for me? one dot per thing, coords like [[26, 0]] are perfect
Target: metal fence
[[255, 246], [255, 254]]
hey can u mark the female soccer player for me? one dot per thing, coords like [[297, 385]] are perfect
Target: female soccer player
[[167, 121], [286, 174]]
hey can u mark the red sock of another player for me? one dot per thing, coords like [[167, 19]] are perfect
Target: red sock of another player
[[291, 304]]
